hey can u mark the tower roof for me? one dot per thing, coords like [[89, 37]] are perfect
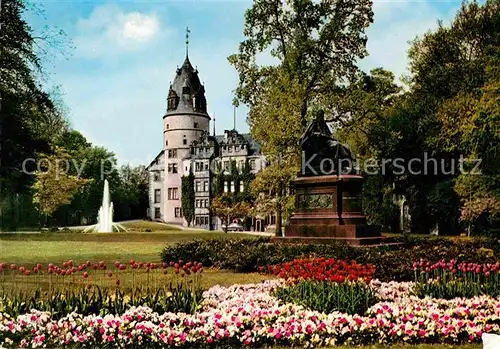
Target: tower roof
[[186, 94]]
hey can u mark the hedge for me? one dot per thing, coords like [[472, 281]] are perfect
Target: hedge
[[394, 262]]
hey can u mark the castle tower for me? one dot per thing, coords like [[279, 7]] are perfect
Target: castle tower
[[185, 120]]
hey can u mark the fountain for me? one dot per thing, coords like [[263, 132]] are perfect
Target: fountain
[[105, 215]]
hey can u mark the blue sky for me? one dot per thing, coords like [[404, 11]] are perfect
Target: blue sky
[[115, 80]]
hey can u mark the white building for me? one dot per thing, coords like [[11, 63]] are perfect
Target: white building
[[188, 146]]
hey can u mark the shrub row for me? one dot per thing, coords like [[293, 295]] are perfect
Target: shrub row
[[393, 262]]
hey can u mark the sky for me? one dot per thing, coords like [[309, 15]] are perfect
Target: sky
[[114, 78]]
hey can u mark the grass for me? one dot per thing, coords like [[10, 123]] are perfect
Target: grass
[[80, 247], [152, 226], [29, 249]]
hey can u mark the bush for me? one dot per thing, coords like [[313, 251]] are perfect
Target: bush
[[325, 296], [394, 262], [247, 255]]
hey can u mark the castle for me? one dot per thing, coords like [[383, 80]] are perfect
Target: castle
[[188, 146]]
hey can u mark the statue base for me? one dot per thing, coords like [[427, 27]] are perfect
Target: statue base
[[328, 209]]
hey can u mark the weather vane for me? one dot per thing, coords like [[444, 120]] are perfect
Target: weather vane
[[187, 39]]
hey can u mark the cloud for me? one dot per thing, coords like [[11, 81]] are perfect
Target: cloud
[[108, 31], [396, 24]]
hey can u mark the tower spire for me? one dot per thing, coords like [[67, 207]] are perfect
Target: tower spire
[[187, 41], [234, 118], [214, 125]]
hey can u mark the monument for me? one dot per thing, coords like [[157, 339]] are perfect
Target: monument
[[328, 193]]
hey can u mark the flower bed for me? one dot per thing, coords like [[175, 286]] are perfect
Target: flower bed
[[450, 279], [250, 315], [322, 269]]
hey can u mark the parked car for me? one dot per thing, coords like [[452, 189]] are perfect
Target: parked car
[[233, 227]]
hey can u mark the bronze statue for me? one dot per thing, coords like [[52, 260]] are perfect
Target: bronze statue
[[322, 154]]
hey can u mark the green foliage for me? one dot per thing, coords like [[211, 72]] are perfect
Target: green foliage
[[227, 208], [93, 300], [393, 262], [378, 203], [327, 297], [459, 282], [27, 114], [53, 187], [187, 197], [456, 289], [316, 46], [248, 254]]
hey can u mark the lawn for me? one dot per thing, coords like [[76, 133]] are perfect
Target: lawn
[[28, 249], [108, 247]]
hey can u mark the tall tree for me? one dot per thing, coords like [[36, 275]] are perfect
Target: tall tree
[[314, 48], [187, 197], [438, 116], [23, 106]]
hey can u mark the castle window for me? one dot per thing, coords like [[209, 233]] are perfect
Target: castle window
[[157, 213], [185, 90], [172, 153], [184, 141], [157, 176], [230, 149], [178, 212], [197, 186], [195, 125], [198, 166], [206, 204], [205, 186], [206, 166], [172, 168], [157, 196], [252, 164], [168, 126]]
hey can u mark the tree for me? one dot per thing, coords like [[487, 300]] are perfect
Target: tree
[[227, 209], [130, 199], [271, 188], [187, 197], [315, 47], [54, 187], [453, 73], [24, 108], [315, 44]]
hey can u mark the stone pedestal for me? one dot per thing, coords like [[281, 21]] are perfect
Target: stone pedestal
[[327, 209]]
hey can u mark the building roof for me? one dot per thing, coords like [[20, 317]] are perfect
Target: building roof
[[186, 88], [155, 160], [253, 146]]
